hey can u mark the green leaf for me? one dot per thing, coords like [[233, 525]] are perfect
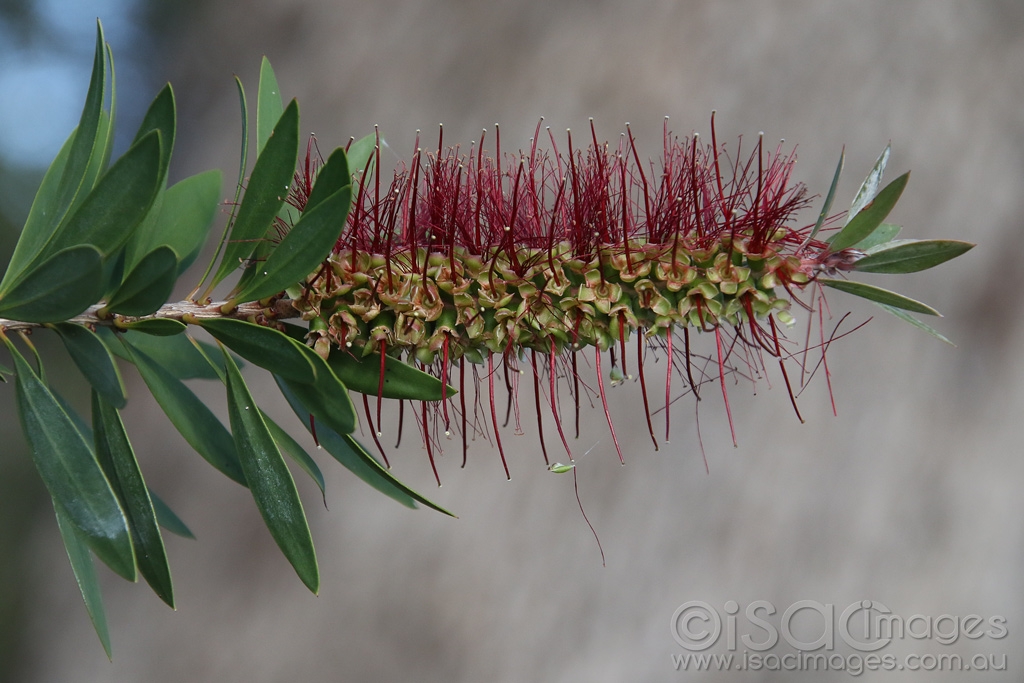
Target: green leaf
[[328, 398], [118, 204], [883, 233], [160, 327], [85, 575], [148, 286], [116, 457], [186, 214], [903, 315], [265, 194], [361, 152], [38, 227], [297, 453], [354, 458], [161, 116], [869, 188], [168, 519], [70, 471], [829, 197], [95, 361], [269, 105], [877, 294], [57, 289], [104, 147], [331, 177], [67, 174], [271, 483], [401, 380], [189, 415], [912, 256], [302, 250], [242, 165], [357, 449], [265, 347], [330, 404], [178, 355], [870, 217]]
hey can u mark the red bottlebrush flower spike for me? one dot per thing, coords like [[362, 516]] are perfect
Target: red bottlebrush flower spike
[[464, 256]]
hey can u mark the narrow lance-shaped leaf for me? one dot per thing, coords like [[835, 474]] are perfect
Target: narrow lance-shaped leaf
[[117, 205], [148, 286], [297, 453], [401, 380], [271, 483], [281, 437], [70, 471], [95, 361], [168, 518], [333, 176], [37, 229], [912, 256], [190, 416], [869, 188], [269, 105], [116, 457], [104, 149], [265, 193], [242, 166], [57, 289], [305, 246], [60, 189], [265, 347], [870, 217], [85, 574], [360, 154], [903, 315], [183, 223], [355, 458], [160, 116], [311, 246], [328, 397], [829, 197], [885, 232], [877, 294], [158, 327], [177, 355]]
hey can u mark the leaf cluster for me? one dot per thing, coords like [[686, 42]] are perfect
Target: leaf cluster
[[873, 246], [104, 246]]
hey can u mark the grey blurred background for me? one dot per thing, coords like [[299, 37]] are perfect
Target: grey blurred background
[[911, 496]]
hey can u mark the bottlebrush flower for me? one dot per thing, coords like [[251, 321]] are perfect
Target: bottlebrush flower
[[532, 259]]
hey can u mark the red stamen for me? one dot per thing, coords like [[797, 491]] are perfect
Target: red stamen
[[401, 421], [444, 386], [721, 378], [782, 366], [373, 431], [462, 407], [643, 387], [380, 380], [668, 381], [604, 402], [427, 442], [536, 398], [312, 430], [554, 406], [494, 413]]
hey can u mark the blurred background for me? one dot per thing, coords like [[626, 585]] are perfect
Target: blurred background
[[910, 497]]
